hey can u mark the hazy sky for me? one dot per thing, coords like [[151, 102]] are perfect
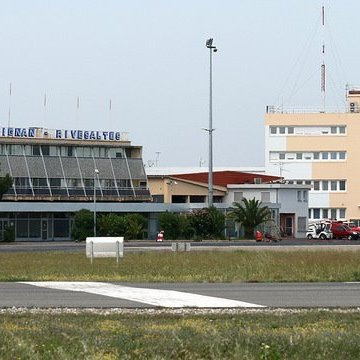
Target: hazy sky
[[149, 58]]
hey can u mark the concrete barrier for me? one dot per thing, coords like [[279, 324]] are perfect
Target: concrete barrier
[[104, 247], [180, 246]]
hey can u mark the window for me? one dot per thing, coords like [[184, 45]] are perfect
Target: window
[[290, 130], [272, 130], [36, 150], [325, 185], [342, 155], [282, 130], [324, 155], [342, 213], [45, 149], [333, 155], [299, 195], [342, 185], [333, 213], [342, 129], [70, 151], [316, 213], [282, 156], [238, 196], [325, 213], [299, 156], [333, 185], [305, 195], [265, 196], [316, 185], [333, 129], [316, 155]]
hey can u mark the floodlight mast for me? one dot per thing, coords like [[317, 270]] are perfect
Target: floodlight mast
[[212, 48]]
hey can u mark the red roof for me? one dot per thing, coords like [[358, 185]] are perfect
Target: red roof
[[224, 178]]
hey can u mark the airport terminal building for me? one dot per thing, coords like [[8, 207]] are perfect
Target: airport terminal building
[[58, 172]]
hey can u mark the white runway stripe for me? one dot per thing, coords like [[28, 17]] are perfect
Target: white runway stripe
[[156, 297]]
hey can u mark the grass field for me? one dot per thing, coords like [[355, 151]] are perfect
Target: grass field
[[238, 266], [156, 334], [309, 334]]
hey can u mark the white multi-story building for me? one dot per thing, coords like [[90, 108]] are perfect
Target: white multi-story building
[[320, 149]]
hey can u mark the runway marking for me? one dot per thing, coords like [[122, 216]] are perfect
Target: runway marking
[[156, 297]]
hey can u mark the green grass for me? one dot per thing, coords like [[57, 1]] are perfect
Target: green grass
[[199, 266], [309, 334]]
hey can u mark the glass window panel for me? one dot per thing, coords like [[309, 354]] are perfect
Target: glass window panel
[[272, 130], [325, 185], [342, 213], [325, 155], [22, 228], [316, 185], [290, 130], [333, 185], [316, 213], [342, 155], [342, 184], [342, 129], [299, 156], [61, 228], [316, 155], [325, 213], [282, 130], [333, 129], [35, 228], [282, 156], [333, 213], [333, 155]]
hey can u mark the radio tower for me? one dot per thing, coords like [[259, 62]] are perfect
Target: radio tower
[[323, 69]]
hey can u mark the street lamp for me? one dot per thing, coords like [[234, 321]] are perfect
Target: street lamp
[[96, 172], [212, 48]]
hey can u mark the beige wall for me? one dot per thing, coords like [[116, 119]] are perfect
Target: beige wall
[[350, 142], [169, 186]]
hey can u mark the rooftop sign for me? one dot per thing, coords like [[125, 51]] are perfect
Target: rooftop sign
[[33, 132]]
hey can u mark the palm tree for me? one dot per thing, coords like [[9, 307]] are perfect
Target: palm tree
[[250, 214]]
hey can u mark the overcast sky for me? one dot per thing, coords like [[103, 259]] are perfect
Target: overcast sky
[[149, 58]]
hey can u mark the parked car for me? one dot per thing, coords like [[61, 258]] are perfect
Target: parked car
[[352, 226], [321, 230], [343, 231]]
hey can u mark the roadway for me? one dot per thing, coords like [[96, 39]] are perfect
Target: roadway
[[178, 295], [150, 245]]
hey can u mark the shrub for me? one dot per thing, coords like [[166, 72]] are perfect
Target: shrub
[[83, 225]]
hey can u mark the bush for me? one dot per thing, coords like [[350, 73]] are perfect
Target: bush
[[176, 226], [83, 225], [135, 226], [9, 234], [112, 225], [208, 223]]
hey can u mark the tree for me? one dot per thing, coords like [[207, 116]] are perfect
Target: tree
[[176, 226], [83, 225], [5, 184], [208, 223], [250, 214], [111, 225], [135, 226], [169, 223]]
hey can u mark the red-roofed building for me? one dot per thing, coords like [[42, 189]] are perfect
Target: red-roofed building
[[287, 201]]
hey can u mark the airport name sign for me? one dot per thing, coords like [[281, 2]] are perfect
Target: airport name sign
[[33, 132]]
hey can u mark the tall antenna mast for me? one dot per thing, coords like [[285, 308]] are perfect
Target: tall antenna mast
[[323, 69], [9, 113]]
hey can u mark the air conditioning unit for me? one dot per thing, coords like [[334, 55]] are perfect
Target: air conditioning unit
[[353, 107], [257, 180]]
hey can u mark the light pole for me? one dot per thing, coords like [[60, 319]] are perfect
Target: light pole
[[212, 48], [96, 172]]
